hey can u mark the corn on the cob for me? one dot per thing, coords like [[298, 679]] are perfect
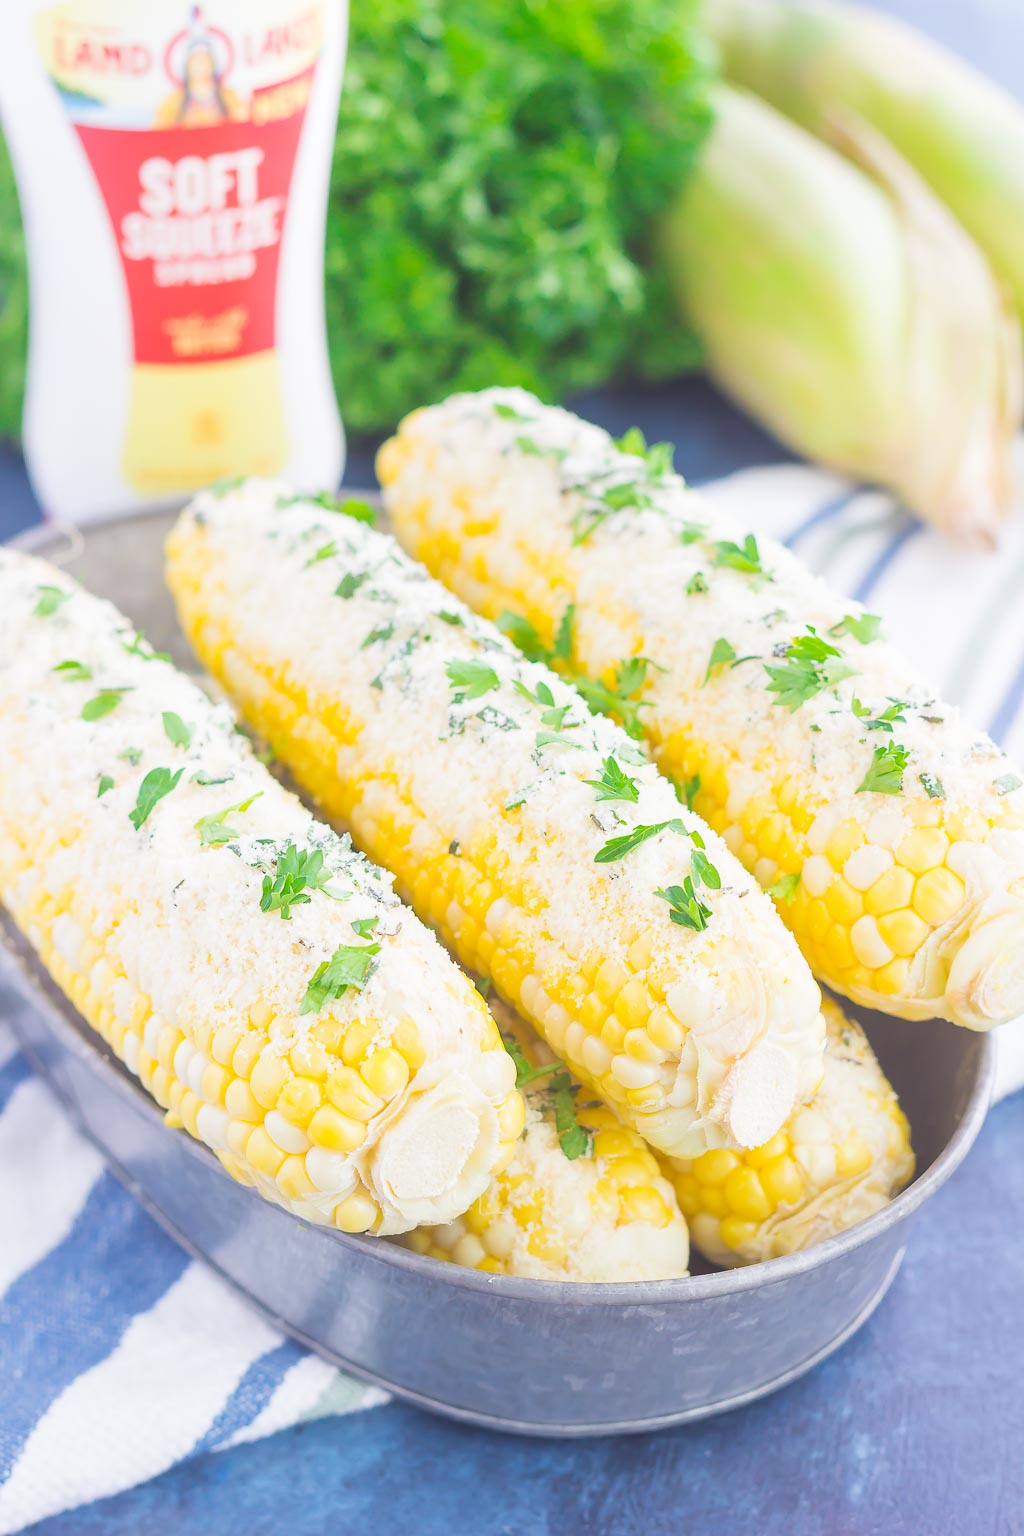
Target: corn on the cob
[[891, 834], [834, 1163], [582, 1200], [256, 973], [485, 785]]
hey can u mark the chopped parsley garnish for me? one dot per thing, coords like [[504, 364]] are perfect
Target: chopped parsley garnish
[[509, 412], [483, 985], [808, 665], [745, 557], [721, 653], [572, 1138], [50, 599], [140, 646], [325, 552], [524, 636], [454, 619], [364, 926], [784, 888], [696, 584], [106, 782], [657, 458], [202, 777], [932, 786], [213, 829], [132, 755], [379, 632], [618, 847], [864, 627], [619, 699], [704, 872], [885, 775], [474, 678], [349, 966], [553, 739], [691, 789], [157, 783], [350, 583], [614, 783], [225, 484], [553, 715], [885, 721], [692, 533], [177, 732], [562, 648], [74, 671], [685, 906], [1006, 784], [103, 703], [360, 510], [299, 871]]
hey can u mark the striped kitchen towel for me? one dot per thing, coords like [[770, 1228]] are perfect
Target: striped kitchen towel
[[119, 1355]]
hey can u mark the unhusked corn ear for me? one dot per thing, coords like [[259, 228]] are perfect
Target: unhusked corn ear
[[836, 1161], [891, 833], [500, 803], [257, 975], [607, 1213]]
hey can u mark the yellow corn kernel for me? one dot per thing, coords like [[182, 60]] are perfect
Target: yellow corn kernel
[[239, 1101], [356, 1214], [298, 1100], [844, 904], [225, 1042], [358, 1040], [664, 1029], [268, 1077], [642, 1203], [891, 892], [839, 949], [758, 1157], [781, 1181], [745, 1196], [292, 1179], [892, 979], [904, 932], [215, 1083], [511, 1117], [924, 849], [610, 980], [386, 1072], [407, 1039], [309, 1059], [735, 1232], [262, 1153], [633, 1005], [347, 1091], [938, 895], [714, 1167], [846, 839], [337, 1132]]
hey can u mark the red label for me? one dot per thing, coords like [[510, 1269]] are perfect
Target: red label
[[197, 214]]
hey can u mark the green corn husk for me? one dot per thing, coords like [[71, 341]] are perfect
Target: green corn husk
[[960, 131], [845, 308]]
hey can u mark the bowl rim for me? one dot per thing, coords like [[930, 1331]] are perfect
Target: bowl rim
[[41, 992]]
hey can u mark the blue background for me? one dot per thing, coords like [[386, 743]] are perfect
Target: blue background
[[916, 1427]]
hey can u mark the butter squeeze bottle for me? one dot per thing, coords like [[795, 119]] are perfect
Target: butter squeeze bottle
[[173, 163]]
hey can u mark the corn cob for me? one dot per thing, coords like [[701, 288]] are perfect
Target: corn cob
[[890, 833], [501, 805], [587, 1201], [254, 972], [835, 1162]]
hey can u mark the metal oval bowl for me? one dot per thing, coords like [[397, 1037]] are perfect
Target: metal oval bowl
[[522, 1355]]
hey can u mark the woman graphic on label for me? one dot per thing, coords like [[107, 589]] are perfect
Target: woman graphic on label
[[203, 99]]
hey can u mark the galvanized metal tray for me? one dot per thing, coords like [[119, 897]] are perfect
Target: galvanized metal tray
[[520, 1355]]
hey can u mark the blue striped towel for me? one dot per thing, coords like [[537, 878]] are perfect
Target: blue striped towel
[[119, 1355]]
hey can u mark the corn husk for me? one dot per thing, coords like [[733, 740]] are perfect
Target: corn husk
[[816, 59], [843, 306]]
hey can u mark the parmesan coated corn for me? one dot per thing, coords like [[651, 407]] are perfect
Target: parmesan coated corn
[[256, 974], [835, 1162], [891, 833], [483, 782], [606, 1213]]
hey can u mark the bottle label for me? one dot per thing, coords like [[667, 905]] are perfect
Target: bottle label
[[190, 117]]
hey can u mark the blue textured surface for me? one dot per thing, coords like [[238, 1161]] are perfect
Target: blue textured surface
[[914, 1429]]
